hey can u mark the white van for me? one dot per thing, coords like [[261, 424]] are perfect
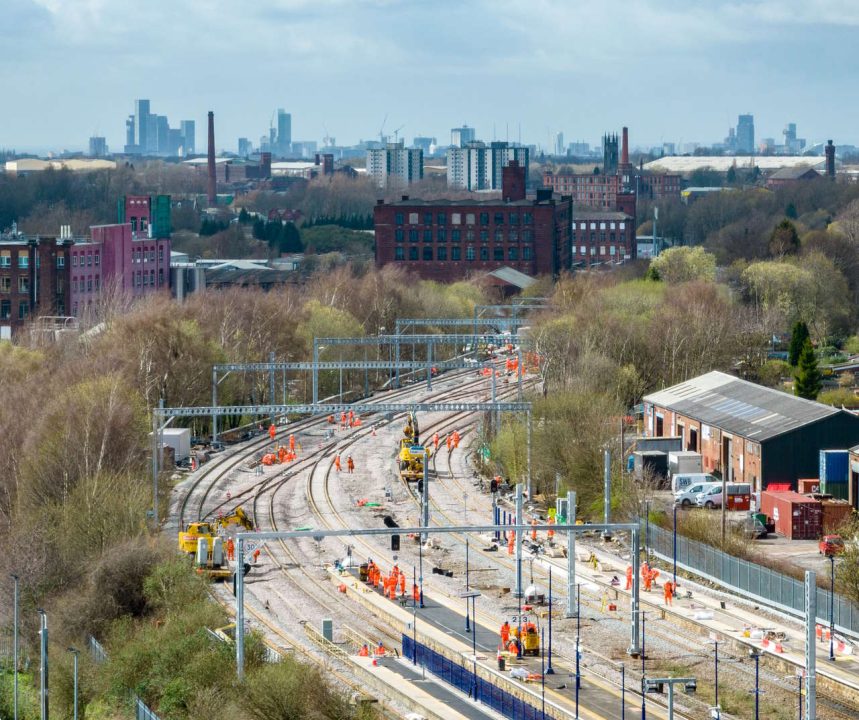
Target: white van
[[681, 481], [712, 498], [689, 495]]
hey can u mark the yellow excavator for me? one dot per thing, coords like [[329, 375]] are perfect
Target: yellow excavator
[[412, 456], [189, 538]]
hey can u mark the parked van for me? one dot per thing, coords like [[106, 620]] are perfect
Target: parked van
[[739, 496], [681, 481], [689, 495]]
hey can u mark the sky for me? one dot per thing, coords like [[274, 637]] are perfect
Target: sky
[[673, 71]]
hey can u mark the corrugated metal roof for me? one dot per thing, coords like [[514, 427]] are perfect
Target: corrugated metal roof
[[740, 407], [511, 276]]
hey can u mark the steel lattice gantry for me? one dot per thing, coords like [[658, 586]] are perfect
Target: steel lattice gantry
[[430, 341], [272, 367], [510, 323]]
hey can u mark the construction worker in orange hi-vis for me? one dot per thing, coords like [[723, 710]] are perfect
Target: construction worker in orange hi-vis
[[628, 578], [449, 442], [364, 651], [292, 443], [647, 576], [505, 633], [330, 419], [337, 463], [402, 583], [342, 419], [513, 647], [231, 549], [511, 540], [551, 533], [435, 440], [416, 593], [281, 454], [455, 439], [668, 589], [350, 464], [351, 416], [380, 650], [533, 531], [256, 556]]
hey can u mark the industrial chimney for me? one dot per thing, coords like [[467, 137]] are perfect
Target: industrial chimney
[[830, 160], [624, 151], [213, 183]]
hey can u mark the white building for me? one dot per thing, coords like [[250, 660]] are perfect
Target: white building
[[478, 167], [395, 165], [462, 136]]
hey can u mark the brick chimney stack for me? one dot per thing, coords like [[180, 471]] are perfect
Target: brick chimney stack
[[513, 182], [830, 160], [624, 152]]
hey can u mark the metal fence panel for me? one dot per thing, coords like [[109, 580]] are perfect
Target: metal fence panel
[[142, 712], [764, 585]]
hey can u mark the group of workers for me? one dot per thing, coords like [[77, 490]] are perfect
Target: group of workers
[[350, 463], [648, 576], [282, 455], [231, 551], [391, 586], [378, 652], [347, 420], [510, 636]]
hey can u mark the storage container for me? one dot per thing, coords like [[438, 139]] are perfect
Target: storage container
[[834, 472], [795, 516], [683, 462]]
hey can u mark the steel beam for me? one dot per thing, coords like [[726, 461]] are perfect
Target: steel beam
[[519, 522], [512, 322], [347, 365], [448, 339], [331, 408], [571, 553]]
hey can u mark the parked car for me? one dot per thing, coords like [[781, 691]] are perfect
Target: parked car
[[681, 481], [830, 545], [686, 497], [712, 498]]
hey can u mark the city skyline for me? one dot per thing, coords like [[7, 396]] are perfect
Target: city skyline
[[670, 75]]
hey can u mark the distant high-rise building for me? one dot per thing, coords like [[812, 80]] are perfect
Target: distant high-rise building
[[97, 146], [746, 134], [245, 147], [395, 165], [425, 143], [478, 167], [792, 144], [577, 149], [189, 137], [462, 136], [141, 125], [559, 144], [284, 131]]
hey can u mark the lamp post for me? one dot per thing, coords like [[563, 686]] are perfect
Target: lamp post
[[43, 664], [549, 669], [543, 675], [578, 643], [15, 649], [467, 626], [832, 606], [715, 644], [755, 654], [75, 652], [622, 691], [643, 671], [414, 618], [675, 546]]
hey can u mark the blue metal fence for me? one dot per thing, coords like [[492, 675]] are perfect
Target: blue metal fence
[[464, 679], [767, 586]]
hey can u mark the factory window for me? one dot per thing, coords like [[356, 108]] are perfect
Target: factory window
[[514, 218], [602, 226], [469, 218], [455, 235], [602, 249], [23, 309], [142, 224], [499, 218], [484, 253], [428, 218], [469, 252], [413, 253], [602, 236], [499, 235], [623, 226], [61, 260], [611, 250], [133, 224], [89, 259], [413, 235], [398, 234], [498, 253], [399, 219], [151, 279], [513, 253], [60, 285], [526, 235], [527, 218], [526, 252], [413, 218], [161, 276], [612, 237], [441, 253], [23, 260], [5, 258], [160, 255], [593, 249], [514, 236], [484, 218], [398, 253], [455, 253], [427, 236], [441, 235], [583, 250], [611, 226], [74, 259], [427, 253], [484, 236], [456, 219], [5, 284], [23, 284], [5, 309], [89, 284], [442, 219]]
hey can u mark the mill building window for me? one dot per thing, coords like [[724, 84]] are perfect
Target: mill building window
[[413, 253], [441, 254], [455, 253]]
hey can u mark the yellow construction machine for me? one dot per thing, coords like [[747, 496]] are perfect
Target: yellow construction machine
[[412, 459], [196, 530]]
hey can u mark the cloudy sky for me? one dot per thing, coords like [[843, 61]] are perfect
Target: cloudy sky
[[673, 70]]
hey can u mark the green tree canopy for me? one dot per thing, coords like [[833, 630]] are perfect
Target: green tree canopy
[[784, 239], [684, 264]]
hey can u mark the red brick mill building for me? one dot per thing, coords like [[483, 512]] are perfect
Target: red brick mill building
[[451, 239]]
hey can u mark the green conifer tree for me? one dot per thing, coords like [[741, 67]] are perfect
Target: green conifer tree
[[798, 336], [807, 381]]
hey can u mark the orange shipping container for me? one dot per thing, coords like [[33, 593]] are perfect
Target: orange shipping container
[[809, 485], [834, 513]]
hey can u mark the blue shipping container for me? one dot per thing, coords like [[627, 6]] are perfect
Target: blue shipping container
[[834, 472]]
